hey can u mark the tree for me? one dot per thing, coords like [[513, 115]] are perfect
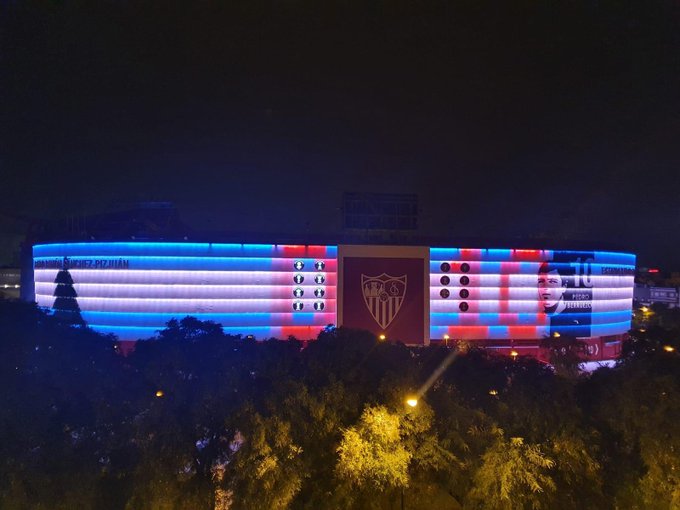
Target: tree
[[371, 455], [264, 470], [513, 475], [65, 304]]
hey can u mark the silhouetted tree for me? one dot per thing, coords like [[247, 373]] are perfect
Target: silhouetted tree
[[65, 304]]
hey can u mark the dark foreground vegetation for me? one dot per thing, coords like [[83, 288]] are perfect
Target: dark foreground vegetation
[[199, 420]]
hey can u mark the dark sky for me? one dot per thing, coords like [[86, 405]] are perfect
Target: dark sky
[[509, 119]]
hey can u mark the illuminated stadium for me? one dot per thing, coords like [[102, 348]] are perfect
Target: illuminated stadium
[[511, 300]]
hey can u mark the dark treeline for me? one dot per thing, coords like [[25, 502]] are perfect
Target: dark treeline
[[195, 419]]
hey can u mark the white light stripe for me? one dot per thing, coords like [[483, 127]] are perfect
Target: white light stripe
[[181, 277], [520, 306], [497, 280], [168, 291], [189, 306], [526, 293]]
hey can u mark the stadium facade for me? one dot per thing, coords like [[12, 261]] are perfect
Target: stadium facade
[[505, 299]]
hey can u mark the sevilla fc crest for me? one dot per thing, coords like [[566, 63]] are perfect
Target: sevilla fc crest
[[383, 296]]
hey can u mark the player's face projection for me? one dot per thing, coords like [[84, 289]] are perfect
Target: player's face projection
[[551, 288]]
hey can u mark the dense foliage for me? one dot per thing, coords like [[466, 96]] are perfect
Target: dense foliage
[[194, 419]]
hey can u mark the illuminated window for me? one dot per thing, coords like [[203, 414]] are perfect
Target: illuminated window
[[445, 267], [320, 265], [298, 278], [319, 278], [444, 293], [318, 305], [463, 306], [464, 293], [319, 292], [298, 292], [298, 305], [298, 265], [445, 280], [464, 280], [465, 267]]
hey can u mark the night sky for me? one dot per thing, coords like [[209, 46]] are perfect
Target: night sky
[[510, 119]]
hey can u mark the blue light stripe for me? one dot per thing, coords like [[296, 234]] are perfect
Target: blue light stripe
[[147, 332], [126, 249], [525, 319], [439, 255], [226, 319]]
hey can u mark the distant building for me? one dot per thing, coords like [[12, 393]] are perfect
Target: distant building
[[10, 283], [645, 295]]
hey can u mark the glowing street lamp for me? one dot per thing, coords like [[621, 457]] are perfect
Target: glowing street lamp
[[446, 340], [160, 393], [412, 401], [668, 348], [514, 354], [382, 337]]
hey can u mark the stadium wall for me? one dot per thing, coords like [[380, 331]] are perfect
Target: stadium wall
[[497, 297]]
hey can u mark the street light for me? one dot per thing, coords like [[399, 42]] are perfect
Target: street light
[[668, 348], [160, 393], [412, 401], [446, 340], [382, 337], [514, 354]]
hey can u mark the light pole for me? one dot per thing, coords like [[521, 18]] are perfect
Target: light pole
[[411, 401]]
